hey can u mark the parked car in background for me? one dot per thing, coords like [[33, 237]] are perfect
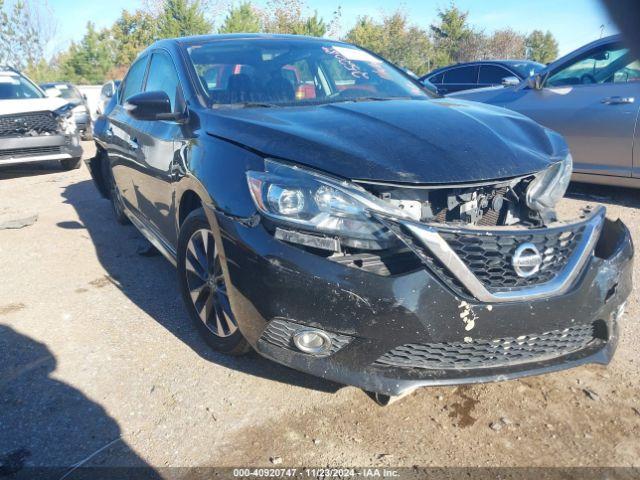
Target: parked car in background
[[107, 92], [368, 233], [465, 76], [592, 97], [34, 127], [81, 112]]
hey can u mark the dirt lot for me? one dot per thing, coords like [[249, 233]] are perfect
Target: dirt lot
[[99, 365]]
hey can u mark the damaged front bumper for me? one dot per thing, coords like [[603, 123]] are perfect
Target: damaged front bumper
[[39, 148], [428, 324]]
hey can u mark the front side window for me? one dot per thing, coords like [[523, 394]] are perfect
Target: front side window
[[17, 87], [493, 74], [461, 75], [606, 64], [294, 72], [163, 77], [436, 79], [526, 69], [133, 82]]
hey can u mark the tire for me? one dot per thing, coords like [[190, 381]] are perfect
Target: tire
[[203, 286], [117, 204], [70, 163]]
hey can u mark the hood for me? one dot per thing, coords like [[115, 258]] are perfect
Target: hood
[[401, 141], [26, 105]]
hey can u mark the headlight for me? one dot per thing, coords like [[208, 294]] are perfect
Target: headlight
[[66, 120], [550, 186], [298, 198]]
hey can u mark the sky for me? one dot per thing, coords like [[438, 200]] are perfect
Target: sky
[[573, 22]]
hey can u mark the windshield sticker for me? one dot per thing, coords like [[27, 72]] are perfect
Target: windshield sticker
[[351, 67], [356, 55]]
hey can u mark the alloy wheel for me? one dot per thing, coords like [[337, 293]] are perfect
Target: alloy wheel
[[206, 284]]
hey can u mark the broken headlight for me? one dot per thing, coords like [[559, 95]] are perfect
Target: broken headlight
[[304, 200], [546, 190], [66, 120]]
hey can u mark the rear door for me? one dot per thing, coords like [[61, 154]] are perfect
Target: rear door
[[593, 100], [460, 78]]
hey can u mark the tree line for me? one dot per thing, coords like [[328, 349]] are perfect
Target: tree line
[[101, 54]]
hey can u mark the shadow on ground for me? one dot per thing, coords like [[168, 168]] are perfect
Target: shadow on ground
[[150, 282], [624, 197], [47, 423], [30, 170]]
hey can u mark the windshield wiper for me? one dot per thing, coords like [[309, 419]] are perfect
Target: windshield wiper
[[378, 99], [245, 105]]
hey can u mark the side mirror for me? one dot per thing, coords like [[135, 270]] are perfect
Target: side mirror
[[150, 106], [510, 81], [535, 82]]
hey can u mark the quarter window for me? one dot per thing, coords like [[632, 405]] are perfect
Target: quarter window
[[461, 75], [163, 77]]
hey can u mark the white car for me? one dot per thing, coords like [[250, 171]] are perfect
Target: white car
[[107, 92], [33, 126]]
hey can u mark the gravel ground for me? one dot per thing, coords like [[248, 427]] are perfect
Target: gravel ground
[[99, 364]]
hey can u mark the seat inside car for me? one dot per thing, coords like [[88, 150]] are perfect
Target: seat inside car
[[239, 88], [279, 89]]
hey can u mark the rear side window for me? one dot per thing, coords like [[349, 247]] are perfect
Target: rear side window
[[493, 74], [133, 82], [163, 77], [461, 75]]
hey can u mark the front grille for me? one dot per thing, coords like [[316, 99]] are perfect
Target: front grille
[[489, 254], [280, 333], [490, 353], [26, 123], [28, 152]]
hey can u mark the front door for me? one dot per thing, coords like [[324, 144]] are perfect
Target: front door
[[593, 101], [158, 142], [122, 134]]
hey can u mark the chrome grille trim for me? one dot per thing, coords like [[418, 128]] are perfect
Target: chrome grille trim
[[431, 239]]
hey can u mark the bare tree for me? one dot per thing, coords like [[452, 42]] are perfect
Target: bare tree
[[25, 31]]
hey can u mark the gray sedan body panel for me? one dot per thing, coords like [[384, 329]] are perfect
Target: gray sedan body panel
[[598, 120]]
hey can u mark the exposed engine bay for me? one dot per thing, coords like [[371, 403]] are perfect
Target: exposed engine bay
[[493, 204]]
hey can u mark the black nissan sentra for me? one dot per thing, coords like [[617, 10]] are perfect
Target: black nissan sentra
[[323, 209]]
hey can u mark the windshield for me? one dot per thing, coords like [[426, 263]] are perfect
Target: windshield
[[294, 72], [527, 69], [15, 87], [68, 92]]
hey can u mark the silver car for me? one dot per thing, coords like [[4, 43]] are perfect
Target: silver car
[[592, 97]]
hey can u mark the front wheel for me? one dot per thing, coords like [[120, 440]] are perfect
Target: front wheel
[[204, 288]]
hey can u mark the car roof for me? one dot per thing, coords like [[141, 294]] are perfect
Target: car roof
[[186, 41], [479, 62]]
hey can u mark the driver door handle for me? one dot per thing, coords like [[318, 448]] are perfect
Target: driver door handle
[[618, 100]]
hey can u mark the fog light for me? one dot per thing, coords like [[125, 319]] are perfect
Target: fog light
[[312, 341]]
